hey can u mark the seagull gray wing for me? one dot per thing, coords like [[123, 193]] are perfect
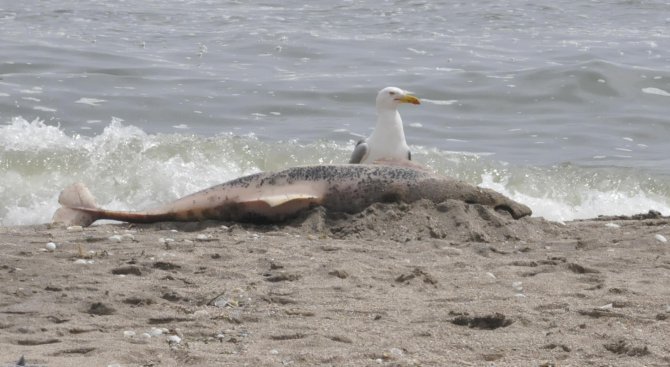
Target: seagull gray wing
[[360, 152]]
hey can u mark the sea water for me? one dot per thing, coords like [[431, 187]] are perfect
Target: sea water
[[561, 105]]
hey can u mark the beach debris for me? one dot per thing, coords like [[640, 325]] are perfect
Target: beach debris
[[163, 241], [579, 269], [396, 352], [128, 334], [223, 302], [204, 238], [156, 331], [84, 261], [122, 237], [281, 276], [51, 246], [342, 274], [100, 309], [416, 273], [164, 265], [661, 238], [174, 339], [126, 270], [621, 346], [487, 322]]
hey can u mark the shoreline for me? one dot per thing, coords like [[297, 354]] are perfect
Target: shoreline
[[397, 285]]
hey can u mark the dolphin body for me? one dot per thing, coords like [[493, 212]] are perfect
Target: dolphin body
[[276, 196]]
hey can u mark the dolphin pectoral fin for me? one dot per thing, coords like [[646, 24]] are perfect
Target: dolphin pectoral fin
[[277, 207], [281, 199]]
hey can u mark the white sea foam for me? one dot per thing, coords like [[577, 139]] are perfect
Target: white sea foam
[[555, 203], [90, 101], [656, 91], [45, 109], [440, 102], [123, 166]]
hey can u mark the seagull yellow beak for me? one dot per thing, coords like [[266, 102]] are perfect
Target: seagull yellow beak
[[408, 98]]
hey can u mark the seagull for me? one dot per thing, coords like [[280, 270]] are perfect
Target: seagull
[[388, 138]]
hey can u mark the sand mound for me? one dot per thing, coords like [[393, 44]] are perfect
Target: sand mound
[[451, 220]]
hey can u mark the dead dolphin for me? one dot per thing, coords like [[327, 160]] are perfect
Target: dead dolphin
[[276, 196]]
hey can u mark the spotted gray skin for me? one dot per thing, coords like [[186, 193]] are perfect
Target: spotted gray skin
[[276, 196]]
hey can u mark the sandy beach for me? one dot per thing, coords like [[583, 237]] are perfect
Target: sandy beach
[[423, 284]]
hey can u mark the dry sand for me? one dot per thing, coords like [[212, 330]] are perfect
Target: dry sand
[[398, 285]]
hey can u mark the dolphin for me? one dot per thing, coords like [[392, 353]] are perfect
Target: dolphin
[[276, 196]]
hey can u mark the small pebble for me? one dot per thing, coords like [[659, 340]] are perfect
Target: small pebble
[[155, 331], [203, 237], [115, 238], [607, 306], [128, 237], [75, 228], [146, 335], [51, 246], [396, 351], [165, 240], [128, 333], [661, 238], [274, 351], [174, 339], [518, 286], [84, 261], [612, 225]]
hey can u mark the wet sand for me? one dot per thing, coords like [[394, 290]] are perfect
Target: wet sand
[[450, 284]]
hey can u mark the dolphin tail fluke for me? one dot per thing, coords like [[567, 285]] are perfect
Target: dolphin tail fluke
[[78, 207]]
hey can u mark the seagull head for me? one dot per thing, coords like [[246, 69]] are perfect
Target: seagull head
[[391, 97]]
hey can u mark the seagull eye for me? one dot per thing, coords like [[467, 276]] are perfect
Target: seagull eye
[[392, 93]]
